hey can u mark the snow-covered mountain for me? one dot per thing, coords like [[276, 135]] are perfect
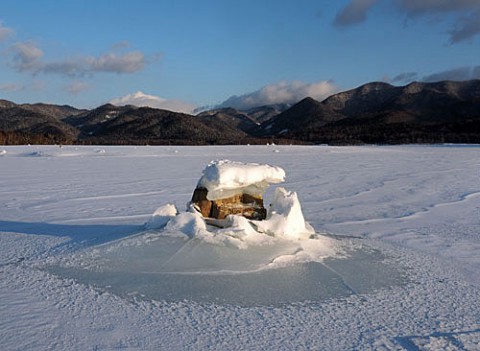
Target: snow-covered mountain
[[382, 113], [372, 113]]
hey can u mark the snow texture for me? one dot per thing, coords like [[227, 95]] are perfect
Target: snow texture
[[398, 267]]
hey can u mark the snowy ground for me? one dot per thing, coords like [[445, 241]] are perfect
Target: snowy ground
[[79, 271]]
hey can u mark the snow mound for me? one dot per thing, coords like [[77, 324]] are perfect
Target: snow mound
[[226, 178], [188, 223], [161, 216], [284, 216]]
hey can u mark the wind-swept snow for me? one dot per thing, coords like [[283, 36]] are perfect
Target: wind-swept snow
[[398, 269]]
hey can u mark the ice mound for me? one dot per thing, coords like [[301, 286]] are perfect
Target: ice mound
[[226, 178], [284, 219]]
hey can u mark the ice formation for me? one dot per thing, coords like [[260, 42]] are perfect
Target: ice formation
[[226, 178]]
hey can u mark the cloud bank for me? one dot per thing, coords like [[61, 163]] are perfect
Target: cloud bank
[[405, 77], [281, 92], [27, 57], [454, 74], [141, 99], [460, 73], [466, 14]]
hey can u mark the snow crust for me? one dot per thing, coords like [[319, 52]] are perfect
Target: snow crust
[[78, 270], [226, 178]]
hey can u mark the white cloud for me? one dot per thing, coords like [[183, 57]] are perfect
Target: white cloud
[[127, 63], [141, 99], [5, 32], [281, 92], [73, 67], [26, 56]]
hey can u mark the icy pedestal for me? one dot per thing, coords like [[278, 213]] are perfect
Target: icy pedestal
[[174, 269]]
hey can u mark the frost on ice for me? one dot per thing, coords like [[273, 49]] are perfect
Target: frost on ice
[[228, 204]]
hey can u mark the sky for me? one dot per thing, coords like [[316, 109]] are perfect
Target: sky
[[185, 55]]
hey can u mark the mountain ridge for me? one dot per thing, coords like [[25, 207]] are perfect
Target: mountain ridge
[[376, 112], [446, 111]]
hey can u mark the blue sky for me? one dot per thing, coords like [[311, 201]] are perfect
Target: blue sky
[[182, 54]]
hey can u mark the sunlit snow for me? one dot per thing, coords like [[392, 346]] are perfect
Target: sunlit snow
[[98, 250], [225, 178]]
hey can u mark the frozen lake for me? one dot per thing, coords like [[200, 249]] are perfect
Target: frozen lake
[[173, 269], [395, 263]]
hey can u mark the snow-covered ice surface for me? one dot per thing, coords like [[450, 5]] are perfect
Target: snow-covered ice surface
[[399, 268]]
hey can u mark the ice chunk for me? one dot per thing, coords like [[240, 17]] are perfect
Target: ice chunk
[[161, 216], [226, 178], [285, 218]]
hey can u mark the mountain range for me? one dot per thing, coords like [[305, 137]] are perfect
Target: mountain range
[[376, 112]]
